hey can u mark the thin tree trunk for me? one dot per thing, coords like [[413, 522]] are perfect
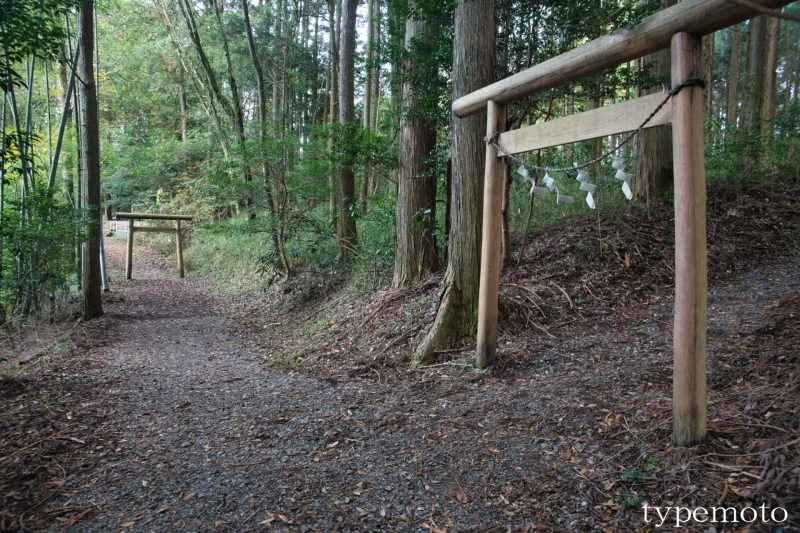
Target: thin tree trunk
[[787, 62], [263, 125], [182, 98], [90, 152], [708, 77], [334, 15], [473, 68], [733, 78], [505, 244], [238, 115], [347, 192], [276, 81]]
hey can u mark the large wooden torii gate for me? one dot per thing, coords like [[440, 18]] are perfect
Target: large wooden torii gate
[[681, 28]]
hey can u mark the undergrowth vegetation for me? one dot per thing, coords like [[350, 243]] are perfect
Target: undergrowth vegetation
[[236, 252]]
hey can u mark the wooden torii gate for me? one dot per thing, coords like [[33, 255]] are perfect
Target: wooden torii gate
[[681, 28], [131, 217]]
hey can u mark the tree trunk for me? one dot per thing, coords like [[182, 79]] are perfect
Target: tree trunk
[[335, 14], [770, 78], [787, 62], [654, 145], [415, 247], [67, 187], [90, 153], [505, 244], [376, 71], [733, 77], [182, 101], [708, 77], [755, 73], [276, 80], [366, 118], [473, 68], [347, 115], [396, 39], [238, 115], [263, 121]]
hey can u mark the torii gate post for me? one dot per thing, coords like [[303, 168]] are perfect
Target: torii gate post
[[488, 295], [691, 255]]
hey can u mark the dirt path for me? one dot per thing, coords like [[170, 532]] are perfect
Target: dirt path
[[172, 422]]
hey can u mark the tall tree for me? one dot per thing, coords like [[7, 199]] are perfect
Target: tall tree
[[654, 148], [237, 115], [334, 17], [473, 68], [90, 168], [755, 73], [415, 247], [263, 124], [770, 78], [347, 115], [733, 76]]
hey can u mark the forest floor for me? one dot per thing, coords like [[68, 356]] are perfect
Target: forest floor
[[176, 412]]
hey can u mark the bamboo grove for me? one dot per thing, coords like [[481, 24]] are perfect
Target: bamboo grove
[[323, 128]]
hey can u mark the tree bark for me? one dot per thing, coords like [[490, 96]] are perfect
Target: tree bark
[[415, 247], [276, 80], [755, 73], [770, 78], [787, 61], [708, 77], [347, 115], [90, 154], [505, 245], [654, 145], [473, 68], [335, 14], [733, 77]]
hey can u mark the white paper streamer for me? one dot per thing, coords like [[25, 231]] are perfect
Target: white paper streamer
[[522, 171], [549, 182], [590, 200], [583, 177], [627, 190], [619, 166], [563, 198]]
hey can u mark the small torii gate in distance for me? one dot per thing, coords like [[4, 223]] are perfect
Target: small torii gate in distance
[[131, 217], [681, 28]]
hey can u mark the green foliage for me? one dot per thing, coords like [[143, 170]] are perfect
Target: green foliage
[[38, 260], [29, 27], [737, 156]]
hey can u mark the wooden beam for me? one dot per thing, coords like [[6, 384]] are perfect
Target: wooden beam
[[179, 246], [611, 120], [691, 267], [148, 229], [490, 242], [152, 216], [129, 255], [652, 34]]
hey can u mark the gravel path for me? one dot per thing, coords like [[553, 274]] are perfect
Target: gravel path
[[185, 428]]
